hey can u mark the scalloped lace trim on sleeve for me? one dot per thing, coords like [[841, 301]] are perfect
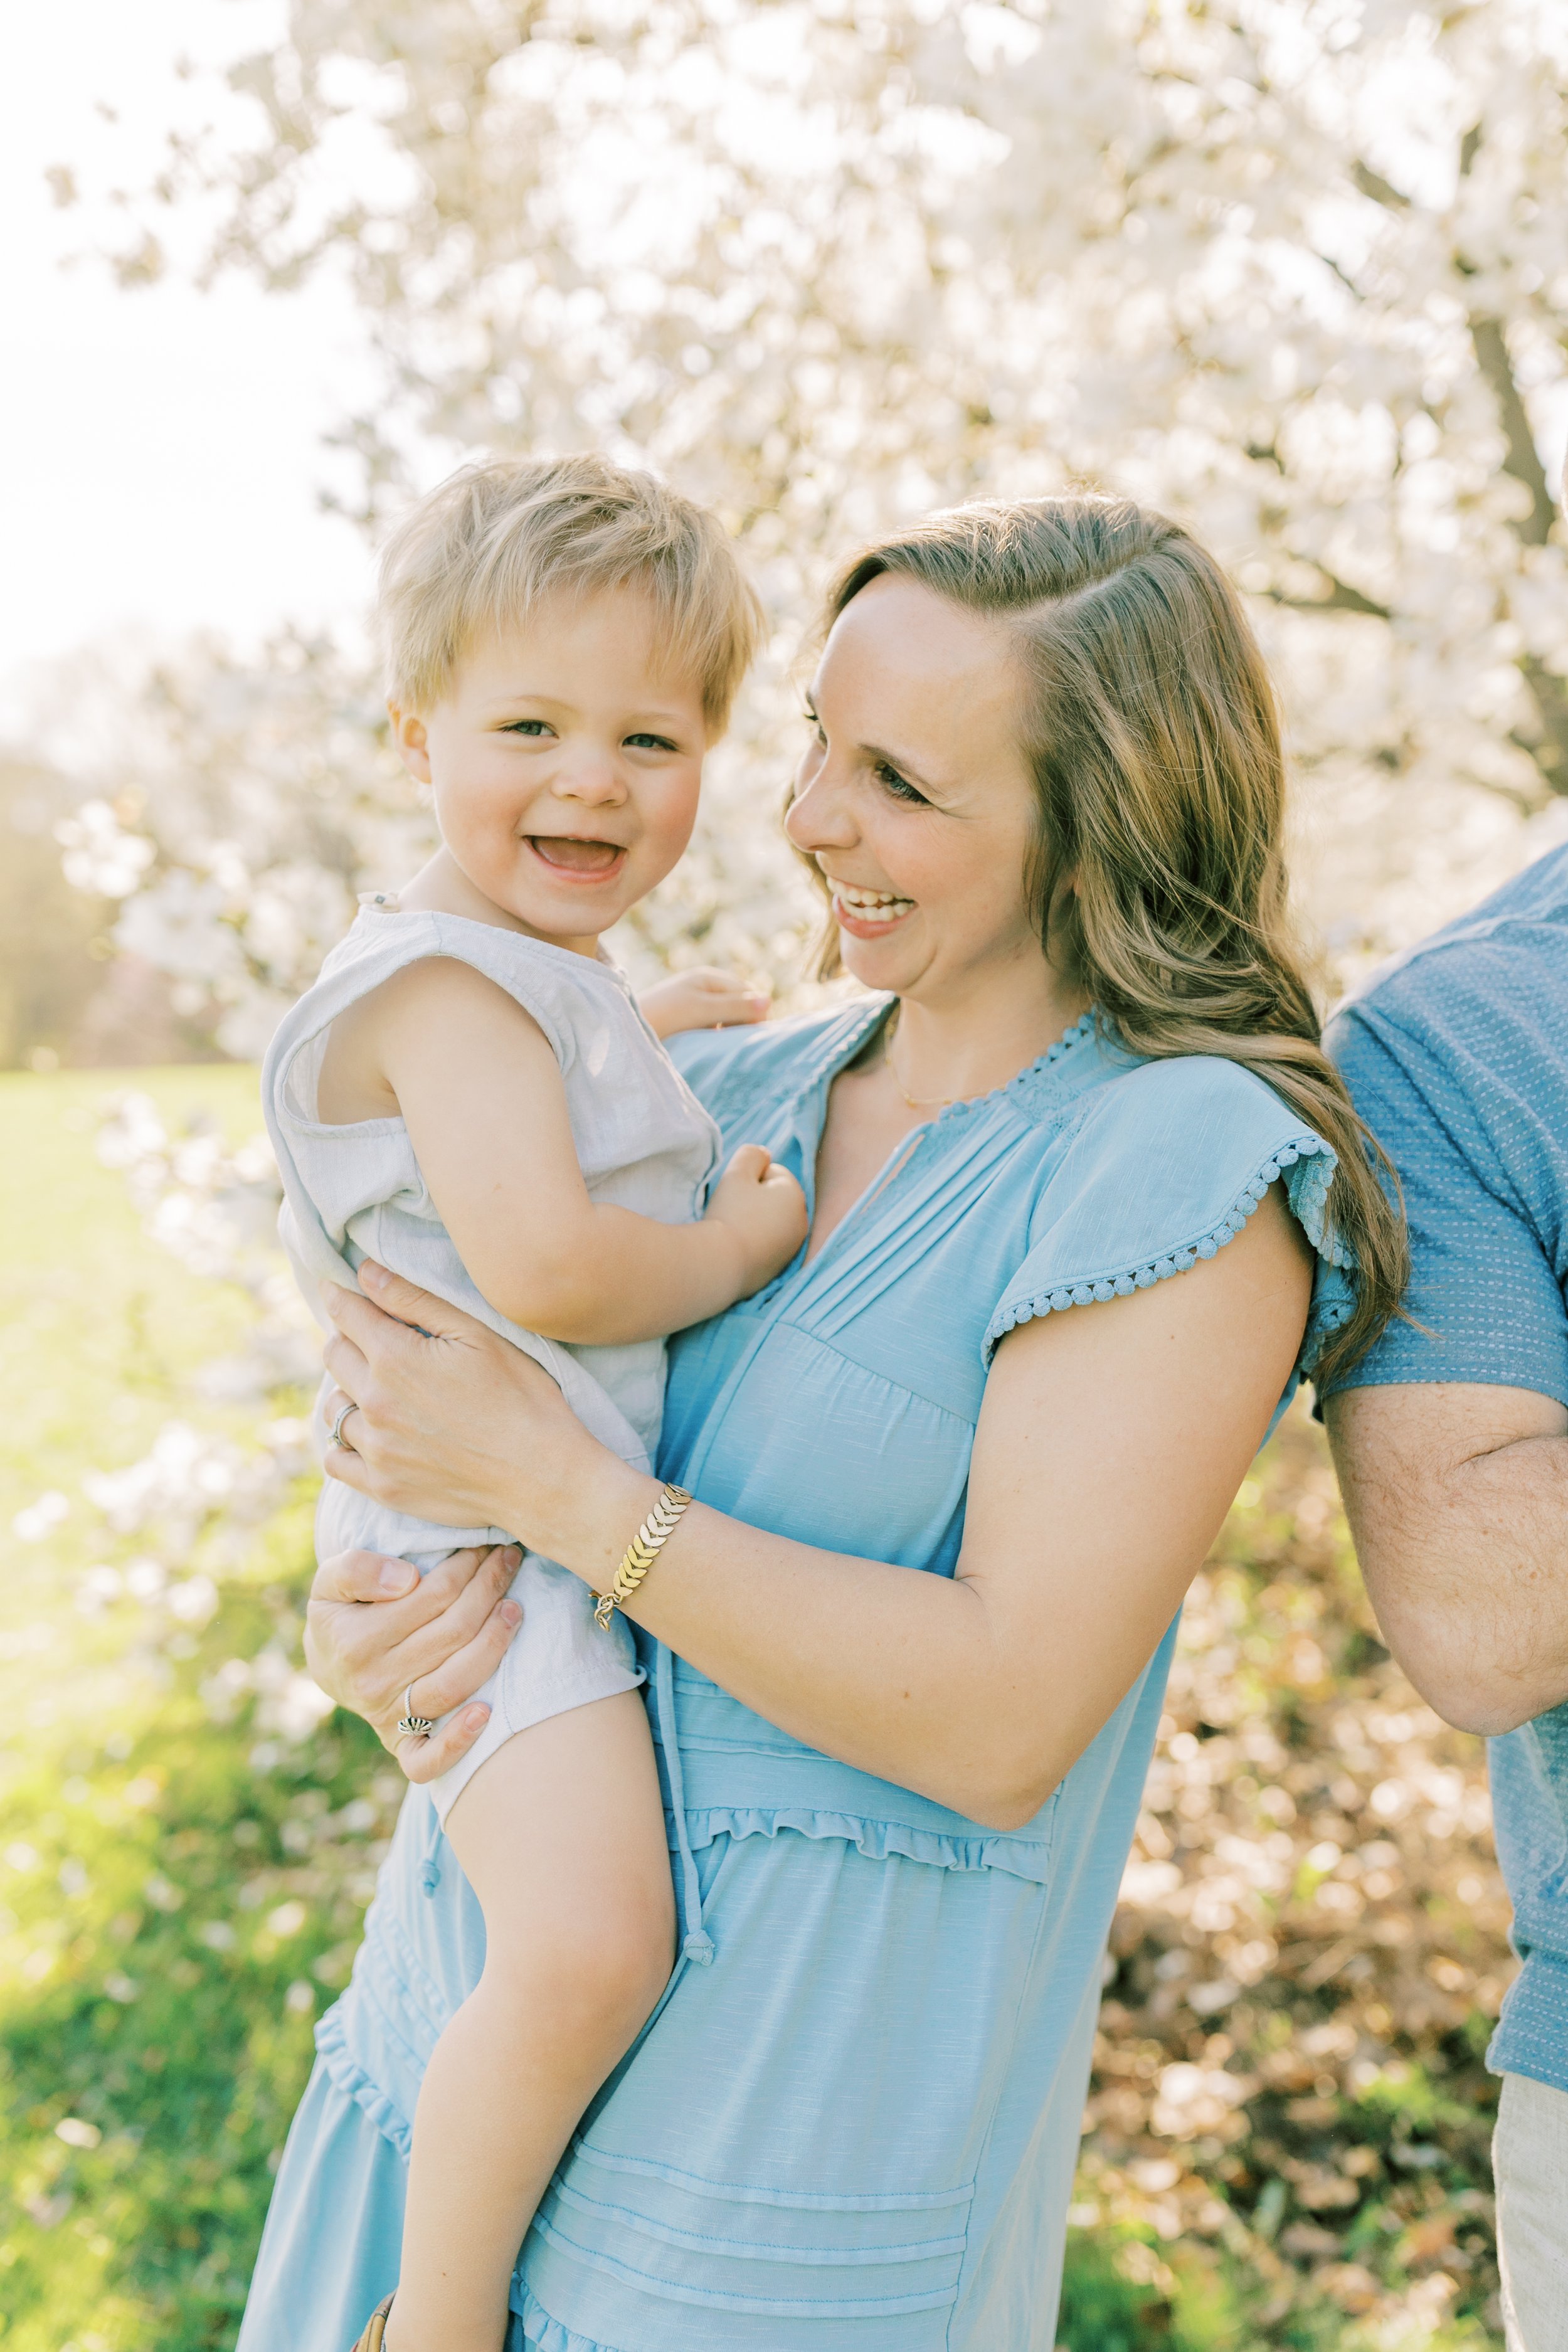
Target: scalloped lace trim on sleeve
[[1307, 1166]]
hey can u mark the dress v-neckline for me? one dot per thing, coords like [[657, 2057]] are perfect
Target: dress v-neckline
[[820, 1089]]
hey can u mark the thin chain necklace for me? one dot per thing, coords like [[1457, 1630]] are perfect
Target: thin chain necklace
[[929, 1102]]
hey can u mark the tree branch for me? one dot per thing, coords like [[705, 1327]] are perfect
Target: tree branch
[[1549, 695], [1341, 597], [1382, 192], [1523, 459]]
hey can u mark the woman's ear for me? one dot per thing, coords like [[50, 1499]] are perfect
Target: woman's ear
[[412, 743], [1061, 921]]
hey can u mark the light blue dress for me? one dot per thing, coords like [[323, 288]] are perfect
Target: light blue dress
[[851, 2125]]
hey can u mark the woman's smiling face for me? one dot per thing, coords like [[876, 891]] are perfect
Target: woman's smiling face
[[914, 795]]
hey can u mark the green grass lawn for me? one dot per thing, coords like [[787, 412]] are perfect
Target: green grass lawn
[[185, 1851], [99, 1329], [178, 1896]]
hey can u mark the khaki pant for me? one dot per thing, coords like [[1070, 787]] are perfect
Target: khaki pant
[[1530, 2161]]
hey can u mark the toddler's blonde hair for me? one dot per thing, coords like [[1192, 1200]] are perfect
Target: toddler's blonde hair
[[480, 550]]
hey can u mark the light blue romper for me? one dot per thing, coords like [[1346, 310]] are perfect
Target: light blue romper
[[644, 1142], [852, 2125]]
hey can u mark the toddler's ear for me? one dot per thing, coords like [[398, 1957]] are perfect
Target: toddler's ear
[[412, 743]]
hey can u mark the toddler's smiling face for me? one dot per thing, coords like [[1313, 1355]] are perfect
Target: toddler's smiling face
[[565, 759]]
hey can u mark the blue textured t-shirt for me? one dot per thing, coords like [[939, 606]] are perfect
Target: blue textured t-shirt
[[1457, 1060]]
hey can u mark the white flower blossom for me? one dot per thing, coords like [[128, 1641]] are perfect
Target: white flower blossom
[[38, 1521], [102, 856], [1292, 273], [175, 924]]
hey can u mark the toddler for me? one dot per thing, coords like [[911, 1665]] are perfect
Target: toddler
[[470, 1094]]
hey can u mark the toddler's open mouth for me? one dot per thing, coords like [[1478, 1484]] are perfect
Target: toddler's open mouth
[[583, 861]]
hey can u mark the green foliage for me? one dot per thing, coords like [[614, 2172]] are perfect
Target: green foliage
[[181, 1884], [176, 1916]]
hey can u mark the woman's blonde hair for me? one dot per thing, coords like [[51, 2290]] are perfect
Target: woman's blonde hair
[[481, 550], [1157, 876]]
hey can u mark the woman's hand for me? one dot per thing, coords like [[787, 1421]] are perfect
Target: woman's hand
[[376, 1632], [705, 998], [455, 1425]]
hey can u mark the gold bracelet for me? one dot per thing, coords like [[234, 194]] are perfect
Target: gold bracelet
[[641, 1552]]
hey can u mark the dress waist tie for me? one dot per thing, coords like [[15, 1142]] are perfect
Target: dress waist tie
[[696, 1943]]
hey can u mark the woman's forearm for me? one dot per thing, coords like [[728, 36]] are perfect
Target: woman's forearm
[[890, 1669]]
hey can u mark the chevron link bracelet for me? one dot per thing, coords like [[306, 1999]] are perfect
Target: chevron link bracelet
[[641, 1552]]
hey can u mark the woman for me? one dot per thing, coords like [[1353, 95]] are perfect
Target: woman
[[908, 1647]]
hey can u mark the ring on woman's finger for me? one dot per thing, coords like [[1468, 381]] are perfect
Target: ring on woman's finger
[[337, 1437], [415, 1724]]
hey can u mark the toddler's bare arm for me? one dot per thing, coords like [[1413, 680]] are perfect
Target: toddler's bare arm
[[703, 998], [481, 1092]]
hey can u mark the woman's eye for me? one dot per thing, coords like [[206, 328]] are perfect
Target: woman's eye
[[900, 786], [530, 727], [819, 733]]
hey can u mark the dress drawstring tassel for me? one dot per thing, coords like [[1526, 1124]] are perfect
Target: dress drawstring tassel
[[696, 1943]]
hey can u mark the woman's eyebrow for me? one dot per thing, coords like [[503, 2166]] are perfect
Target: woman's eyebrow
[[878, 757], [874, 754]]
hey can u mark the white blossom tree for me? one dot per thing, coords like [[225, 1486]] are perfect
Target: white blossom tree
[[1292, 269]]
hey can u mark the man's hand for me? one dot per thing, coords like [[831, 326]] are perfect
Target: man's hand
[[376, 1626]]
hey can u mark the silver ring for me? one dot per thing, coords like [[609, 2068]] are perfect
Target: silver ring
[[337, 1437], [415, 1724]]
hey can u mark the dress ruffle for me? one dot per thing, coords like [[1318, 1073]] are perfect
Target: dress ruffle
[[1021, 1856], [351, 2078], [547, 2335]]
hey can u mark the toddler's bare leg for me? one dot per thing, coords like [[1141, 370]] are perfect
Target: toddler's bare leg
[[561, 1836]]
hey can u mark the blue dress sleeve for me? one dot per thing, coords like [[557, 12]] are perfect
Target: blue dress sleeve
[[1167, 1166]]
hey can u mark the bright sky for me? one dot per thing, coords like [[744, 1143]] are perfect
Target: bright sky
[[160, 450]]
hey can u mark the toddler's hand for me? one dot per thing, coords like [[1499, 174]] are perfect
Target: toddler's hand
[[765, 1208], [705, 998]]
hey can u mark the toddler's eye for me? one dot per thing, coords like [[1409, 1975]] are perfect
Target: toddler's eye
[[650, 743], [530, 726]]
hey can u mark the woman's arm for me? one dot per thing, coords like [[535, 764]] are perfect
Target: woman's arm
[[1111, 1442]]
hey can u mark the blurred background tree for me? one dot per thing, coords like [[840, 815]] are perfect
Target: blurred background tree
[[1293, 269], [49, 973]]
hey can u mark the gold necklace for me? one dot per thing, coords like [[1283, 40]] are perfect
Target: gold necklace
[[932, 1102]]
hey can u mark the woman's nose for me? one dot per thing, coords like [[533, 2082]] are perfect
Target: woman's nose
[[819, 814]]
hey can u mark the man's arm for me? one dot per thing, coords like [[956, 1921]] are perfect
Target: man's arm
[[1457, 1499], [1451, 1436]]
